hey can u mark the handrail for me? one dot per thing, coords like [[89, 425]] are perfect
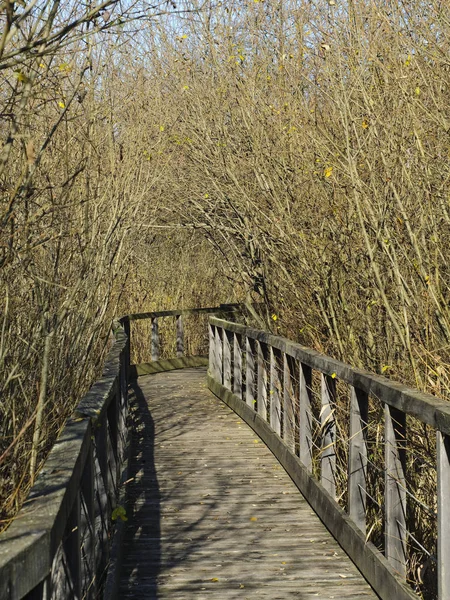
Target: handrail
[[268, 381], [58, 545]]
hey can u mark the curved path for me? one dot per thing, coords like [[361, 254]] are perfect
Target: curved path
[[212, 515]]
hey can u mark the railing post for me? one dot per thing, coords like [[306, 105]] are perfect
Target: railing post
[[443, 495], [305, 420], [180, 336], [249, 374], [155, 339], [212, 350], [261, 382], [288, 405], [328, 430], [357, 460], [237, 366], [127, 331], [219, 355], [88, 528], [226, 359], [275, 404], [72, 548], [395, 492]]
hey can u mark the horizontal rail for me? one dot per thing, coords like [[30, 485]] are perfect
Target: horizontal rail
[[223, 308], [289, 395]]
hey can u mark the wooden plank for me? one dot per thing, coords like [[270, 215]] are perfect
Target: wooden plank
[[72, 550], [223, 308], [289, 405], [305, 416], [443, 495], [395, 492], [180, 335], [261, 399], [357, 462], [212, 349], [425, 407], [219, 520], [237, 366], [275, 389], [249, 374], [219, 354], [328, 434], [226, 359]]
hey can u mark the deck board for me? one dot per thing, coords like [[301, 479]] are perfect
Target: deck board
[[212, 515]]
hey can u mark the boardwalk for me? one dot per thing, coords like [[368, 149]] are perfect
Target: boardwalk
[[212, 514]]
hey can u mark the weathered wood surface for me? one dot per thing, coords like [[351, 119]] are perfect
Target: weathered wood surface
[[212, 514]]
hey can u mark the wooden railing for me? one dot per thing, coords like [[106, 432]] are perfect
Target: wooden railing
[[289, 395], [58, 545]]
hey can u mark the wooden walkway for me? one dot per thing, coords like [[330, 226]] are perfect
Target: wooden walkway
[[212, 515]]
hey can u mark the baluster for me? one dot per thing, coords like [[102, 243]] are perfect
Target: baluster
[[237, 366], [127, 331], [443, 495], [305, 416], [212, 351], [357, 461], [219, 354], [155, 339], [72, 548], [395, 492], [275, 404], [328, 430], [261, 382], [88, 527], [226, 359], [288, 405], [180, 336], [249, 374]]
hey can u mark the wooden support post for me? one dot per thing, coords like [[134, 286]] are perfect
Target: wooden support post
[[212, 350], [249, 374], [305, 416], [261, 401], [288, 405], [72, 549], [443, 496], [155, 339], [275, 403], [226, 359], [328, 430], [395, 492], [89, 583], [219, 355], [357, 460], [127, 331], [237, 366], [180, 336]]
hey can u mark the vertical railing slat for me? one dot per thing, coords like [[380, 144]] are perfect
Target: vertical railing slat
[[288, 405], [212, 350], [72, 549], [261, 400], [219, 354], [275, 403], [237, 366], [305, 416], [357, 460], [395, 492], [443, 496], [180, 336], [226, 359], [155, 339], [328, 431], [249, 373]]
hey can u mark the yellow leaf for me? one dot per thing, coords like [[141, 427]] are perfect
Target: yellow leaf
[[364, 124], [417, 91], [161, 127], [384, 368], [21, 76], [274, 317], [61, 104], [214, 579], [328, 171], [256, 441], [253, 518], [119, 513], [333, 375]]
